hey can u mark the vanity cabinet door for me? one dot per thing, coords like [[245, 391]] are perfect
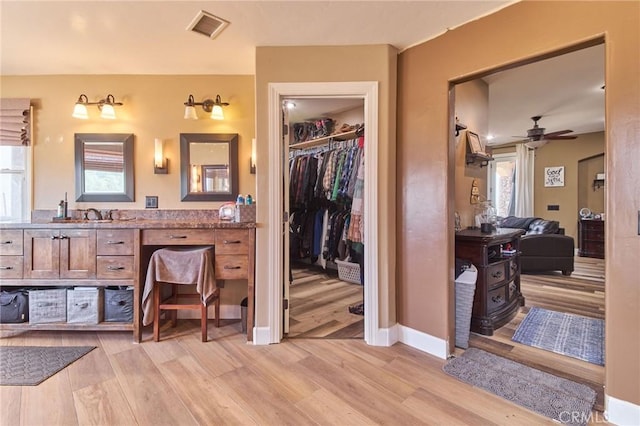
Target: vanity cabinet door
[[41, 253], [64, 253], [78, 253]]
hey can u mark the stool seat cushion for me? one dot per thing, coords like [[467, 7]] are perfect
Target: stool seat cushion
[[179, 266]]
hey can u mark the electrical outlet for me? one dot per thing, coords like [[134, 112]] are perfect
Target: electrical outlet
[[151, 202], [553, 207]]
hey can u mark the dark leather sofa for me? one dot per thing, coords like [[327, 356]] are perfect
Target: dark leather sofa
[[544, 247]]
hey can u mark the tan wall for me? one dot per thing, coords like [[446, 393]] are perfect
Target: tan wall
[[590, 196], [567, 153], [472, 108], [153, 108], [426, 159], [333, 64]]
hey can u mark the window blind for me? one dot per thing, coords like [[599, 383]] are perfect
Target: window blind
[[15, 115]]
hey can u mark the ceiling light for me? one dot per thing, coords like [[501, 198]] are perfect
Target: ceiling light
[[208, 105], [104, 105]]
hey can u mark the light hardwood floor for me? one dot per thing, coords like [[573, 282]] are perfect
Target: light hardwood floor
[[319, 305], [182, 381]]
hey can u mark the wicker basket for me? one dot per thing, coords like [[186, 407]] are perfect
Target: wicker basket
[[349, 272]]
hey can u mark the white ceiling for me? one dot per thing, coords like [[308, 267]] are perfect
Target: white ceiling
[[150, 37]]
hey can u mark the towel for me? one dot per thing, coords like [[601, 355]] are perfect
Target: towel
[[179, 266]]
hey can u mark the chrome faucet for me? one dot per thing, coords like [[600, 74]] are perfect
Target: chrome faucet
[[96, 212]]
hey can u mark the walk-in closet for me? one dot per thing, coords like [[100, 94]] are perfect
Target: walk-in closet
[[325, 203]]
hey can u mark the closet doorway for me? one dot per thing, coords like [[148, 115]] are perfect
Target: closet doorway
[[324, 195], [278, 277]]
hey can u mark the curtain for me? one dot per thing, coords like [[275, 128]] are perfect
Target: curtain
[[15, 114], [524, 181]]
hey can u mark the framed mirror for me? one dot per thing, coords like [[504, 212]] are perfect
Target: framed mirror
[[104, 167], [209, 166]]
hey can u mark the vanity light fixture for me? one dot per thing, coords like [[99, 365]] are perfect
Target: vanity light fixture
[[160, 164], [104, 105], [208, 105], [252, 159]]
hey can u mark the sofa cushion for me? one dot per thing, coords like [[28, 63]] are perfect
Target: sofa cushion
[[516, 222], [541, 226]]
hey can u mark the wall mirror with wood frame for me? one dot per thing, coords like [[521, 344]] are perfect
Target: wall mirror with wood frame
[[104, 167], [209, 166]]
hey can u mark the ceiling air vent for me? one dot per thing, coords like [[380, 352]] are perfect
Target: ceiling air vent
[[207, 24]]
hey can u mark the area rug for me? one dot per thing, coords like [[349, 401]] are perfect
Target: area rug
[[566, 334], [554, 397], [31, 365]]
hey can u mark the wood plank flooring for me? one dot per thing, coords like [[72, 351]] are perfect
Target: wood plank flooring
[[182, 381], [319, 305], [583, 294]]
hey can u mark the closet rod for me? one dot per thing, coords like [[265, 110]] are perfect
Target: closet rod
[[321, 141]]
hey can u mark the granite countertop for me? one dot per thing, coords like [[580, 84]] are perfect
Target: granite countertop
[[132, 219]]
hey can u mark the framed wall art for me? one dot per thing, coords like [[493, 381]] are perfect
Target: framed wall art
[[475, 145], [554, 176]]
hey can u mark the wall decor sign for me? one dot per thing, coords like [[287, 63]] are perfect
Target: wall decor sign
[[554, 176]]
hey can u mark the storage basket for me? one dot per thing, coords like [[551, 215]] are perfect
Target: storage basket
[[118, 305], [46, 306], [465, 288], [84, 305], [349, 272]]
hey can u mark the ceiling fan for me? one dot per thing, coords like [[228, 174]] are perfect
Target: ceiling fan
[[536, 137]]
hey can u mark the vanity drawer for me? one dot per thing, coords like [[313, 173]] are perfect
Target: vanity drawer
[[496, 299], [11, 267], [231, 267], [115, 267], [496, 273], [232, 241], [11, 242], [118, 242], [172, 237]]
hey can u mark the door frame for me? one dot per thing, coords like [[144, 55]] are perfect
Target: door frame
[[368, 91]]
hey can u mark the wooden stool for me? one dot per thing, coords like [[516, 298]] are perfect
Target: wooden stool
[[198, 258]]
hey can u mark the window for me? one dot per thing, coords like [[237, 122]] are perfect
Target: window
[[15, 183], [502, 174]]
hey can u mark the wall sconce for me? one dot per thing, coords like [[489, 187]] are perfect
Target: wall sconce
[[104, 105], [160, 164], [252, 159], [208, 105]]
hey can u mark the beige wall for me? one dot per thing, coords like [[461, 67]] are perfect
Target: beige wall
[[590, 195], [153, 108], [567, 153], [426, 159], [472, 109], [333, 64]]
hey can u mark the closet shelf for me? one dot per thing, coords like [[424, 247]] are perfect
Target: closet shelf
[[321, 141]]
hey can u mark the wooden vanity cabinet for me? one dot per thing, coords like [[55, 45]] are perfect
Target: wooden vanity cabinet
[[59, 253], [11, 254]]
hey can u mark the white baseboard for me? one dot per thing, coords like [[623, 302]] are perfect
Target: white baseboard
[[423, 341], [621, 412], [384, 337], [261, 336]]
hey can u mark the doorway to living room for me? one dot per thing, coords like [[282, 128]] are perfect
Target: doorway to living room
[[534, 90]]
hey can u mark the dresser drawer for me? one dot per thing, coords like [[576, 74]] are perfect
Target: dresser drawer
[[11, 242], [513, 268], [171, 237], [496, 273], [115, 267], [118, 242], [496, 298], [231, 267], [11, 267], [232, 241]]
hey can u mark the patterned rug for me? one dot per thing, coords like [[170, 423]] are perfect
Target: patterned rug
[[551, 396], [31, 365], [566, 334]]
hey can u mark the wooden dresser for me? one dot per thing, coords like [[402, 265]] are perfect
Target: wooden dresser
[[497, 296], [115, 254], [591, 238]]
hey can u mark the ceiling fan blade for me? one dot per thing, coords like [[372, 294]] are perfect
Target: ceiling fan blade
[[559, 132], [547, 137]]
